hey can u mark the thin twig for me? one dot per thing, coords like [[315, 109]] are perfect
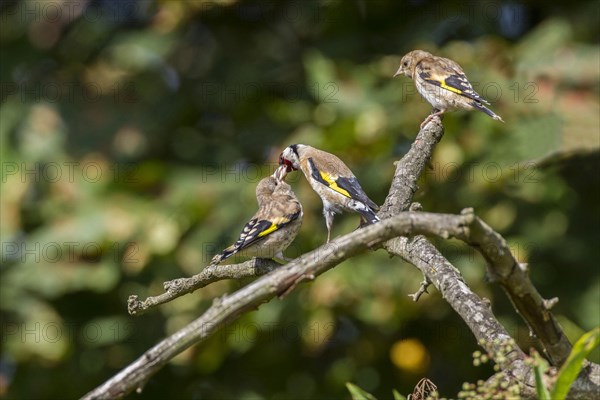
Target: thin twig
[[422, 289], [212, 273]]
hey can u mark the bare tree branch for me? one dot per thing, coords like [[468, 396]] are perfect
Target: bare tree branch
[[502, 265], [476, 313], [421, 253], [277, 282], [409, 169], [212, 273], [417, 250], [514, 279], [501, 262]]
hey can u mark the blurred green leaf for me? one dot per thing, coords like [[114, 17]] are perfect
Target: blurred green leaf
[[397, 395], [358, 393], [569, 371], [540, 367]]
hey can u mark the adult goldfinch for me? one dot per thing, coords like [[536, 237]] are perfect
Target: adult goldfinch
[[332, 180], [274, 226], [442, 83]]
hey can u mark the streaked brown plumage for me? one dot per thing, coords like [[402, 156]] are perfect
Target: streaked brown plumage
[[442, 83], [274, 226], [332, 180]]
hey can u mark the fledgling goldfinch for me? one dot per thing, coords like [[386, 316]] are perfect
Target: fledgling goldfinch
[[442, 83], [274, 226], [332, 180]]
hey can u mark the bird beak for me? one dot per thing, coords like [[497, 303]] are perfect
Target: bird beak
[[399, 72], [280, 173]]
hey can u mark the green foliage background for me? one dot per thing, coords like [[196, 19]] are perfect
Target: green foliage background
[[133, 133]]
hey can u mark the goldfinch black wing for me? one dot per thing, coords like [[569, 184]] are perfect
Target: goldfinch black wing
[[448, 75], [257, 228], [346, 186]]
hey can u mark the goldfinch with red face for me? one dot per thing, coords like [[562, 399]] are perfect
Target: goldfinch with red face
[[442, 83], [274, 226], [332, 180]]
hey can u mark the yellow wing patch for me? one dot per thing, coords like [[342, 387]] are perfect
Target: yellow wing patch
[[270, 229], [333, 185], [450, 88], [276, 223]]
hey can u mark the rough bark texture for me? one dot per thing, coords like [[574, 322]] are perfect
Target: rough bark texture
[[212, 273], [514, 279]]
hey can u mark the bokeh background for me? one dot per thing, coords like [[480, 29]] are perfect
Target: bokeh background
[[133, 133]]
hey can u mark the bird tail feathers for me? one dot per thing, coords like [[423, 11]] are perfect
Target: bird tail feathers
[[224, 255], [486, 110], [367, 214]]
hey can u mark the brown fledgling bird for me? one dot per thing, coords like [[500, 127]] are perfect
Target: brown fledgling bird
[[274, 226], [332, 180], [442, 83]]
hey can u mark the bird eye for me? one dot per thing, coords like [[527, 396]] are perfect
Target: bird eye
[[405, 63]]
